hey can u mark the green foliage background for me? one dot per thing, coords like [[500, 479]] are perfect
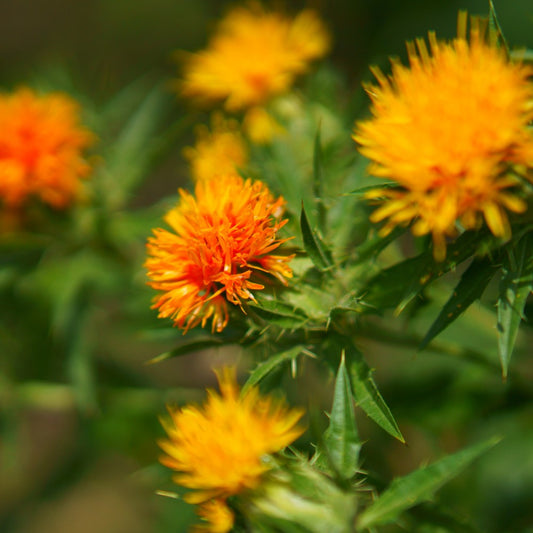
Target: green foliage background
[[78, 402]]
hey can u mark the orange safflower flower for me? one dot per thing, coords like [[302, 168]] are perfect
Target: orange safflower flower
[[221, 241], [220, 449], [452, 132], [219, 151], [41, 144], [254, 55]]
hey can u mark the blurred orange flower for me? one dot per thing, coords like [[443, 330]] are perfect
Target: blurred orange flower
[[452, 132], [41, 144], [222, 241]]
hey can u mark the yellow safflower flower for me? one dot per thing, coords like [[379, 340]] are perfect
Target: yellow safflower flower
[[217, 514], [218, 151], [254, 55], [260, 126], [220, 449], [452, 131]]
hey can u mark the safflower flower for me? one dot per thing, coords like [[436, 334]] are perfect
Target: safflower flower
[[254, 55], [41, 145], [219, 517], [220, 449], [221, 244], [219, 150], [452, 132]]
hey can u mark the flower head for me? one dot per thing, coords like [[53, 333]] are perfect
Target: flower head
[[41, 144], [253, 56], [219, 449], [260, 126], [222, 242], [450, 131], [219, 151], [219, 516]]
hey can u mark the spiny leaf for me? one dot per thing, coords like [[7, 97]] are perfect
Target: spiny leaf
[[388, 288], [470, 287], [495, 25], [341, 439], [264, 368], [364, 389], [367, 395], [419, 486], [515, 286], [313, 245], [279, 313], [194, 345], [361, 191]]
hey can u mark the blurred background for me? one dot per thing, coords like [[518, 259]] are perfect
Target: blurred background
[[64, 468]]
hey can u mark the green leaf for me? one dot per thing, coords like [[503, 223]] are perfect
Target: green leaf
[[419, 486], [361, 191], [515, 286], [184, 348], [313, 245], [364, 389], [388, 288], [131, 152], [317, 301], [495, 25], [70, 324], [341, 439], [471, 286], [279, 313], [70, 284], [266, 367], [367, 395]]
